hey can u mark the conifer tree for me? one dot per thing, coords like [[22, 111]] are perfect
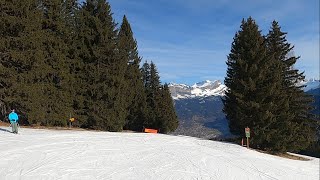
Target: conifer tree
[[20, 40], [103, 70], [299, 129], [145, 70], [10, 29], [254, 91], [136, 100], [53, 80], [37, 85], [168, 120], [237, 72], [153, 97], [70, 13], [146, 76], [160, 109]]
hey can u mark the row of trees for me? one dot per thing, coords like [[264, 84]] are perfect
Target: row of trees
[[264, 93], [60, 59]]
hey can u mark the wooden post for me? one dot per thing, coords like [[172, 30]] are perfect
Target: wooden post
[[70, 121], [242, 142], [247, 142]]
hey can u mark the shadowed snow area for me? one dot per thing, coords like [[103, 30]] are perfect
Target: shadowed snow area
[[65, 154]]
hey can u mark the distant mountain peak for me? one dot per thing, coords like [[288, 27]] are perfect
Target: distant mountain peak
[[310, 84], [206, 83], [201, 89]]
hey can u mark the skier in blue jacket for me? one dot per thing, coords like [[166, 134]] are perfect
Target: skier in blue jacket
[[13, 118]]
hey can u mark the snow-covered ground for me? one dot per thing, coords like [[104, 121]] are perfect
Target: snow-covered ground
[[67, 154]]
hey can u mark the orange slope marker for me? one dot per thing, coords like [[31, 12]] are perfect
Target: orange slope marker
[[147, 130]]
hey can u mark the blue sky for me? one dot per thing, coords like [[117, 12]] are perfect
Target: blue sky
[[189, 40]]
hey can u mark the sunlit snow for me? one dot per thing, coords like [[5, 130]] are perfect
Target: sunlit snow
[[70, 154]]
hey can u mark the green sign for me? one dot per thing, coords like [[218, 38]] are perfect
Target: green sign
[[247, 131], [248, 134]]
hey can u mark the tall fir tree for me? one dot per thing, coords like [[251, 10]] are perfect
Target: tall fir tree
[[136, 99], [11, 28], [168, 120], [254, 97], [145, 70], [160, 109], [300, 125], [54, 79], [20, 43], [153, 96], [41, 91], [103, 70]]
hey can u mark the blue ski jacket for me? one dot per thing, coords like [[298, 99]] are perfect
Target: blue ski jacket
[[13, 117]]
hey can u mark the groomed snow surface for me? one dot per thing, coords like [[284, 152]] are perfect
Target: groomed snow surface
[[70, 154]]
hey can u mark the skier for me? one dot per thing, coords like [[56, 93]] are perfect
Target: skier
[[13, 118]]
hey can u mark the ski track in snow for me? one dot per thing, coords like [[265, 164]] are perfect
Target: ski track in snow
[[65, 154]]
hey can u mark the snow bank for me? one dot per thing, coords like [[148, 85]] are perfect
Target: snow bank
[[62, 154]]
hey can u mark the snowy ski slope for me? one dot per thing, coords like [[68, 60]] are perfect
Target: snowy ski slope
[[68, 154]]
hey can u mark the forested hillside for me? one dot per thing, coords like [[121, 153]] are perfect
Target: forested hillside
[[62, 59]]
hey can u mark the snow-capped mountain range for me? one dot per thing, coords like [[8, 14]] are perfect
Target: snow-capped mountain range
[[216, 88], [311, 84], [201, 89]]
